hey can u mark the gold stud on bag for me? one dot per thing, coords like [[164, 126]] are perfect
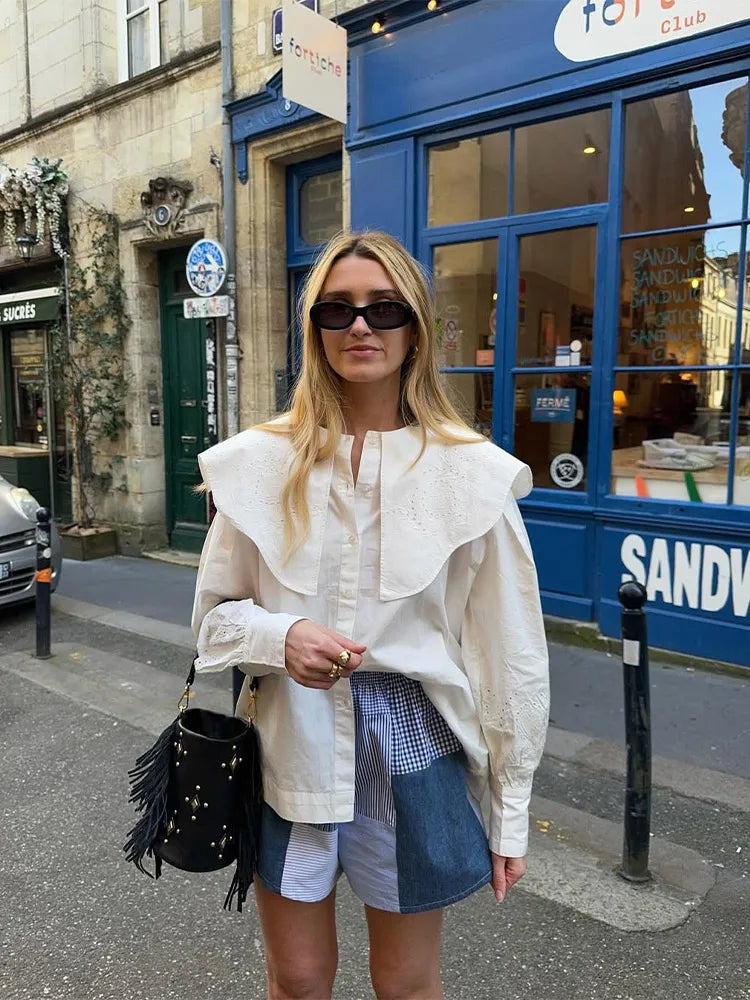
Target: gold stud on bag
[[180, 825]]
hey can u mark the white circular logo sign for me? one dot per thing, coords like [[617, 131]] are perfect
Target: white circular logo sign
[[566, 471], [206, 267]]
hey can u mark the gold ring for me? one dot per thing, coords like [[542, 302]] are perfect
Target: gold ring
[[343, 658], [335, 671]]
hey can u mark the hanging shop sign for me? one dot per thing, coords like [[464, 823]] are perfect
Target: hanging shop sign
[[276, 24], [29, 308], [553, 406], [207, 307], [314, 61], [206, 267], [598, 29]]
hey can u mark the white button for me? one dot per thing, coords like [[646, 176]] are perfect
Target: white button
[[351, 539], [347, 594], [367, 490]]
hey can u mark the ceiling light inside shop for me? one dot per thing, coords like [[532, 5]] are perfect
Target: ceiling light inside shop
[[688, 209], [590, 150], [377, 26], [432, 4]]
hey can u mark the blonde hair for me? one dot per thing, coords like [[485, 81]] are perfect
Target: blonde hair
[[318, 396]]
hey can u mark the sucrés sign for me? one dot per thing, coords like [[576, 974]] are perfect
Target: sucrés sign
[[596, 29]]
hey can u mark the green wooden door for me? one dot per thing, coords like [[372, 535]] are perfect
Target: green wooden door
[[184, 404]]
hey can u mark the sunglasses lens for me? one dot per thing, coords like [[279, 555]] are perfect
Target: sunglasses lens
[[332, 315], [388, 315]]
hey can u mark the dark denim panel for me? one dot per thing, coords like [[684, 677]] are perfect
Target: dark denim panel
[[441, 848], [274, 840]]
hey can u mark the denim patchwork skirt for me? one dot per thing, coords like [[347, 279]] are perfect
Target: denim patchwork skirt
[[416, 842]]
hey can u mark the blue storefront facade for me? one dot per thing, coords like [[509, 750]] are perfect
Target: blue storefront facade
[[574, 176]]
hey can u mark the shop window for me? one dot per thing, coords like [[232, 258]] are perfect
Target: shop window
[[684, 157], [561, 163], [468, 180], [679, 298], [28, 396], [320, 207], [742, 432], [551, 428], [556, 298], [671, 435], [465, 281]]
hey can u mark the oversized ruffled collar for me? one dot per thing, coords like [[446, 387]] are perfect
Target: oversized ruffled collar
[[454, 494]]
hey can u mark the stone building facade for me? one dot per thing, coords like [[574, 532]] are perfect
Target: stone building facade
[[129, 95]]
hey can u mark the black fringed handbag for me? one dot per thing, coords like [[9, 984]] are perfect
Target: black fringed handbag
[[199, 790]]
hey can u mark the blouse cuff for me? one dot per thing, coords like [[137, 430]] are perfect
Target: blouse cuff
[[509, 820], [240, 634]]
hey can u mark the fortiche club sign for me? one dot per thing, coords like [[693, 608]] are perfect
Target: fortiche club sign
[[597, 29], [314, 61]]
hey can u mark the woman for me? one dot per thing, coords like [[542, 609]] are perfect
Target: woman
[[368, 561]]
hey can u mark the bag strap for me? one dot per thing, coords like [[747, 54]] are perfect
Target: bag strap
[[185, 699]]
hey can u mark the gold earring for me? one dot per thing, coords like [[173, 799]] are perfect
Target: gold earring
[[416, 348]]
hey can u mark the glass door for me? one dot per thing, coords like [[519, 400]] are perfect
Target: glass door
[[552, 319]]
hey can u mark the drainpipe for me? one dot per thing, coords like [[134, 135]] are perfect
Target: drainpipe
[[231, 345], [27, 62]]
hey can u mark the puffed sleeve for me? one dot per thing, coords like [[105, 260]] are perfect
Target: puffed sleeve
[[505, 657], [231, 629]]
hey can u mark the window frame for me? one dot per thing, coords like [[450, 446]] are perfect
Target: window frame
[[154, 37], [504, 228]]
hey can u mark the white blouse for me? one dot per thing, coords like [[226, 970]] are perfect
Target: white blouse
[[428, 565]]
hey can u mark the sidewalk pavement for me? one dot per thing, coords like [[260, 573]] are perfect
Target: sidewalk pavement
[[698, 718], [77, 923]]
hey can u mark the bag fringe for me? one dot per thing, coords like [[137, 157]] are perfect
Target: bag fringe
[[248, 836], [149, 779]]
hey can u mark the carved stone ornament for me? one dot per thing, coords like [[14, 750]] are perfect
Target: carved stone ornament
[[163, 205]]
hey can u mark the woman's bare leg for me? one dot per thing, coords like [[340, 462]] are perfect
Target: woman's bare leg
[[405, 954], [301, 948]]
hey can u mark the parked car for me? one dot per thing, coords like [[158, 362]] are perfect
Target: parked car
[[18, 545]]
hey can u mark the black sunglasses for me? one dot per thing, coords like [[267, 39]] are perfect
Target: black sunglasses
[[386, 315]]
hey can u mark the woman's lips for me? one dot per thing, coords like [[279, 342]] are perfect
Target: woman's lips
[[362, 350]]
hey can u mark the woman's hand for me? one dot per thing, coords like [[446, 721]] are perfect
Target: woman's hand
[[505, 873], [311, 649]]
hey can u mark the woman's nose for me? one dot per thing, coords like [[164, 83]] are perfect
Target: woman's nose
[[359, 327]]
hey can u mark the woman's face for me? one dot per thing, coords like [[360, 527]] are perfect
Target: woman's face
[[358, 353]]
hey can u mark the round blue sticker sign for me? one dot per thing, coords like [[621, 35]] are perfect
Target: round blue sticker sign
[[206, 267]]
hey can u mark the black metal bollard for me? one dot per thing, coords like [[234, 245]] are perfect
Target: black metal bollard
[[43, 583], [635, 848]]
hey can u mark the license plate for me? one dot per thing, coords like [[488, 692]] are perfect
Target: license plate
[[4, 571]]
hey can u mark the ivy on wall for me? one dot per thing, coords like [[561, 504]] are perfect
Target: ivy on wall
[[88, 362]]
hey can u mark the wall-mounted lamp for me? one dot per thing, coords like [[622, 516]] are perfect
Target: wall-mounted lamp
[[432, 4], [25, 244], [377, 25]]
